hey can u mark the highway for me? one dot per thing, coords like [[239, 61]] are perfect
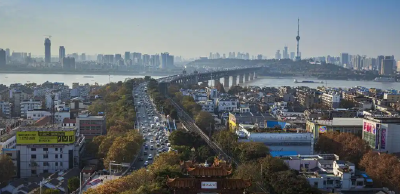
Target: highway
[[152, 131]]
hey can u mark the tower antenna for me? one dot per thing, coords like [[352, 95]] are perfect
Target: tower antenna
[[298, 39]]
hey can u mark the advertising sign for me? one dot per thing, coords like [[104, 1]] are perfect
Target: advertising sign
[[322, 129], [209, 185], [383, 138], [369, 127], [232, 122], [45, 137]]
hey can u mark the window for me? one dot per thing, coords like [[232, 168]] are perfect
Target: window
[[33, 156], [33, 149], [353, 182], [45, 164], [45, 149], [360, 183], [56, 156], [61, 164], [45, 171], [316, 184], [33, 172], [45, 156], [306, 165], [56, 163], [60, 155], [56, 149], [60, 149]]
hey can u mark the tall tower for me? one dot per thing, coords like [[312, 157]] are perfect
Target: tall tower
[[298, 58], [61, 53], [47, 50]]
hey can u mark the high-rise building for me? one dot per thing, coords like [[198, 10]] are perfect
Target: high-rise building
[[278, 54], [68, 63], [61, 53], [170, 61], [379, 60], [259, 57], [387, 66], [83, 57], [118, 57], [292, 55], [8, 54], [398, 66], [344, 58], [47, 50], [3, 58], [127, 56], [155, 60], [164, 59], [285, 52], [146, 60]]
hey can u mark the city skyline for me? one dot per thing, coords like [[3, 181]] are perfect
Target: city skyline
[[195, 29]]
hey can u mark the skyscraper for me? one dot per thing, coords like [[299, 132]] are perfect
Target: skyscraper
[[47, 50], [298, 57], [61, 53], [344, 58], [127, 56], [285, 52], [164, 59], [2, 58], [379, 60], [278, 54], [292, 55], [387, 66]]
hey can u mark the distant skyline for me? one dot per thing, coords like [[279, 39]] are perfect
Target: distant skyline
[[196, 28]]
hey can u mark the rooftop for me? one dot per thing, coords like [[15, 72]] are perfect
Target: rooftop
[[341, 122]]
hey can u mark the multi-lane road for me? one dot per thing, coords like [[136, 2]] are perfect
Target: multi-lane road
[[150, 125]]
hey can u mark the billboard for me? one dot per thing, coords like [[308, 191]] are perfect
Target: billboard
[[232, 122], [322, 129], [45, 137], [208, 185], [369, 127]]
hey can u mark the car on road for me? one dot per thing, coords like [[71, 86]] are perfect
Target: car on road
[[145, 153], [151, 141], [151, 147], [150, 157], [146, 163]]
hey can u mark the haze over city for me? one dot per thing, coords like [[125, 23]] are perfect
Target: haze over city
[[195, 28]]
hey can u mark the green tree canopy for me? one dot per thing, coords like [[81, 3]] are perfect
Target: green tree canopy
[[7, 169], [73, 184]]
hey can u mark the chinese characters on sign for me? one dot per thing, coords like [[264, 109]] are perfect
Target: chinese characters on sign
[[209, 185]]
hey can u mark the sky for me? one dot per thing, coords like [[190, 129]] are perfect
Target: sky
[[193, 28]]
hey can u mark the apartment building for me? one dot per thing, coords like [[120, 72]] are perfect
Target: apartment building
[[207, 105], [382, 133], [330, 100], [227, 104], [5, 108], [28, 105], [91, 126], [307, 97]]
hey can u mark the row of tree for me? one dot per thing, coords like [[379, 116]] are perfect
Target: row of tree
[[122, 141], [383, 168]]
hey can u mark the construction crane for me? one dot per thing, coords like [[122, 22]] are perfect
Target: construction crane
[[47, 36]]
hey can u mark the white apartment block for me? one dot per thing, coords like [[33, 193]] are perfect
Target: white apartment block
[[207, 106], [27, 105], [49, 158], [227, 104]]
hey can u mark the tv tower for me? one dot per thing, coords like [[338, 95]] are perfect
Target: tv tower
[[298, 58]]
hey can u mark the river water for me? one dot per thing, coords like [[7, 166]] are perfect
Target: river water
[[67, 79]]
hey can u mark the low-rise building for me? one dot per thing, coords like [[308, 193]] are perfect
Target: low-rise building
[[227, 104], [5, 108], [330, 100], [28, 105], [382, 133], [342, 125], [48, 149], [91, 126], [37, 114], [207, 105]]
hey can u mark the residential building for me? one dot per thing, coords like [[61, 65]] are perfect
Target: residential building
[[387, 66], [5, 108], [48, 149], [37, 114], [61, 53], [326, 172], [382, 133], [3, 58], [341, 125], [207, 105], [31, 104], [391, 97], [344, 59], [227, 104], [307, 97], [68, 63], [330, 100], [47, 51], [18, 97], [91, 126]]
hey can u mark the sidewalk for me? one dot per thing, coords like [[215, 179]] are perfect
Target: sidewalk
[[97, 180]]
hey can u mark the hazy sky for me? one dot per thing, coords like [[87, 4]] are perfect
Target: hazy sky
[[193, 28]]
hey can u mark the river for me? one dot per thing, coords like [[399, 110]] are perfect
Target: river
[[67, 79]]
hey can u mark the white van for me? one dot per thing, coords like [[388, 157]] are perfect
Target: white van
[[168, 145]]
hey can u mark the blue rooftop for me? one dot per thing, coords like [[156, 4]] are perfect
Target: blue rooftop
[[283, 153]]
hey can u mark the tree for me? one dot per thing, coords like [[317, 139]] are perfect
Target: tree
[[298, 184], [181, 137], [251, 151], [205, 120], [51, 191], [73, 184], [202, 153], [346, 104], [124, 148], [226, 140], [7, 169]]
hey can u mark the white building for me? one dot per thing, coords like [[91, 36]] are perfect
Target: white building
[[207, 106], [7, 139], [30, 105], [382, 133], [38, 114], [331, 100], [5, 108], [60, 152], [327, 172], [302, 143], [227, 104]]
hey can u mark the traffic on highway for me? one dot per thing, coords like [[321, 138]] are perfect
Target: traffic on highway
[[151, 125]]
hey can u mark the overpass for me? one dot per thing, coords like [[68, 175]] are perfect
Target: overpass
[[236, 75]]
